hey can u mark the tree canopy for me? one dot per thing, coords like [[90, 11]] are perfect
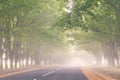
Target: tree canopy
[[40, 30]]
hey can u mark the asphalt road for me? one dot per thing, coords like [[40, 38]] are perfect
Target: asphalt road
[[56, 73]]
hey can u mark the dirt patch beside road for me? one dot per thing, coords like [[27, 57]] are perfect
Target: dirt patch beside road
[[92, 75]]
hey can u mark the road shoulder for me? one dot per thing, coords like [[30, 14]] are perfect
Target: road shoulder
[[92, 75]]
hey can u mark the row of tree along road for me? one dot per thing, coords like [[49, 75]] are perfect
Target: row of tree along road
[[36, 32]]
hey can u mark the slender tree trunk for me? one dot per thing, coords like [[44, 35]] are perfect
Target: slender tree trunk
[[0, 52], [117, 14]]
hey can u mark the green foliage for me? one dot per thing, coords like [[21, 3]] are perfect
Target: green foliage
[[45, 24]]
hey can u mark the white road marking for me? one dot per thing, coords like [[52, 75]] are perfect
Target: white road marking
[[34, 79], [48, 73], [58, 69]]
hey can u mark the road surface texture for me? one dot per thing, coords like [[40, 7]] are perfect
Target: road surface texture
[[49, 74]]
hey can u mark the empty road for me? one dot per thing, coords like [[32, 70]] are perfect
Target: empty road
[[55, 73]]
